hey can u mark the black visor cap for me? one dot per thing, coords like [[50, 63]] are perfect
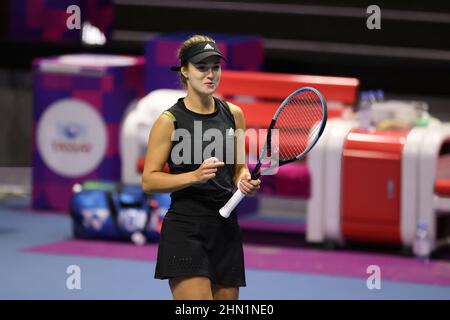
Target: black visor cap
[[199, 52]]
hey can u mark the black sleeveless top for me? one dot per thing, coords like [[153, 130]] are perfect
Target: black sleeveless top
[[196, 138]]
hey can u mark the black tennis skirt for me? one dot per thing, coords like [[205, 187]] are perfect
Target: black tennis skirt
[[201, 246]]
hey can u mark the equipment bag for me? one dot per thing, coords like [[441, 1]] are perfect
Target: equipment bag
[[110, 211]]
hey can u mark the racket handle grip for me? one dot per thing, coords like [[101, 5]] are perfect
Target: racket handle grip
[[231, 204]]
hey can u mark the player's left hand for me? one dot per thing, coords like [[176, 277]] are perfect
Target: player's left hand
[[247, 185]]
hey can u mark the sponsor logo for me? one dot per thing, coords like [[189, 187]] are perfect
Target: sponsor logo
[[71, 138]]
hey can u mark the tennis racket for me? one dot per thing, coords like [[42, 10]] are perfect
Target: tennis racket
[[300, 121]]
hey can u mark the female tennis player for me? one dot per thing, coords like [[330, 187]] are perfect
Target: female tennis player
[[200, 252]]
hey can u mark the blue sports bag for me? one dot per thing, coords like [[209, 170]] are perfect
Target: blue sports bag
[[110, 211]]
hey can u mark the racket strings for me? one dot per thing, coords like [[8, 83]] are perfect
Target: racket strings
[[298, 123]]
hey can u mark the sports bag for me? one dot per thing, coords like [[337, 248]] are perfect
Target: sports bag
[[110, 211]]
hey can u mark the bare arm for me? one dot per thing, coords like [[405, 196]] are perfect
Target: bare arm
[[154, 180], [241, 172], [239, 149]]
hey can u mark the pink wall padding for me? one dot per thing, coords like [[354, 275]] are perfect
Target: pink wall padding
[[291, 180]]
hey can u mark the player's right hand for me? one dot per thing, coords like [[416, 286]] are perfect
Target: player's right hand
[[207, 169]]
